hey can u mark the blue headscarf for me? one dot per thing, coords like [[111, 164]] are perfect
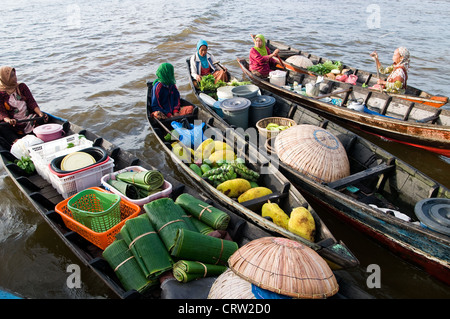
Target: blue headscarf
[[203, 59]]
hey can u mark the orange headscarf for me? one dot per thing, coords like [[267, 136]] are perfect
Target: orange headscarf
[[8, 80]]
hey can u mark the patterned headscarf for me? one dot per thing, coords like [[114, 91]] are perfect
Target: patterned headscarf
[[165, 74], [203, 59], [404, 53], [262, 50], [8, 79]]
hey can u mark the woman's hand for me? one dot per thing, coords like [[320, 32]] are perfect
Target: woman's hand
[[374, 55], [11, 122]]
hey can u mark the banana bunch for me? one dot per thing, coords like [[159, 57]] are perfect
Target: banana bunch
[[221, 174], [245, 172]]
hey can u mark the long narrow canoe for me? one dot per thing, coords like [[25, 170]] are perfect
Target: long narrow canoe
[[390, 117], [284, 194], [43, 196], [365, 78], [377, 177]]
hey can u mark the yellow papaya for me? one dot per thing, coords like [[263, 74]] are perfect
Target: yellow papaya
[[234, 187], [219, 145], [205, 149], [272, 210], [181, 152], [253, 193], [302, 223]]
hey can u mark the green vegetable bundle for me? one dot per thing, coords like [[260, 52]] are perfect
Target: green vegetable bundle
[[26, 164], [325, 68], [208, 83]]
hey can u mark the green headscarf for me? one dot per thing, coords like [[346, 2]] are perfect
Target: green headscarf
[[165, 74], [263, 50]]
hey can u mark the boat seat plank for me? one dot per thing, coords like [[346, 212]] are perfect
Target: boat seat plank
[[357, 177]]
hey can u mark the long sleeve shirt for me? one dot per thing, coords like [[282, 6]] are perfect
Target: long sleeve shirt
[[260, 63], [165, 99]]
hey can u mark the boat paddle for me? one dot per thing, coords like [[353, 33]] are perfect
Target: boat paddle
[[25, 120]]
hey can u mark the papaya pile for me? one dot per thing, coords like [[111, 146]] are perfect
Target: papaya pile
[[300, 222]]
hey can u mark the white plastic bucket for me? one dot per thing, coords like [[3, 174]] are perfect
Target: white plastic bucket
[[277, 77], [224, 92]]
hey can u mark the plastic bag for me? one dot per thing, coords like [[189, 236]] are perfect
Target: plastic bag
[[20, 148], [191, 137]]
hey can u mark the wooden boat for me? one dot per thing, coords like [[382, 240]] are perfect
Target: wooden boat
[[390, 117], [44, 197], [375, 174], [285, 195], [365, 78]]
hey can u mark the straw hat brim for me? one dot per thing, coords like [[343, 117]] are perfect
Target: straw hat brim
[[285, 267], [230, 286]]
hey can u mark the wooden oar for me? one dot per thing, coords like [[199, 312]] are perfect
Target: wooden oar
[[25, 120]]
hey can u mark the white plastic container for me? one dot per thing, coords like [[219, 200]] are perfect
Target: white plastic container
[[42, 154], [224, 92], [72, 184], [167, 187], [277, 77]]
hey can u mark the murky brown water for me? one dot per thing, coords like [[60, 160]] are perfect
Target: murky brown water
[[88, 61]]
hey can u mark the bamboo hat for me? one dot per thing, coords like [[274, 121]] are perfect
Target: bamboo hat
[[230, 286], [314, 152], [285, 267]]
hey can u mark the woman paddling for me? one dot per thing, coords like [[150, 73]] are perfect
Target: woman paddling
[[261, 60], [398, 71]]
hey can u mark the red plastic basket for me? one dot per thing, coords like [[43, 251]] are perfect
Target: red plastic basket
[[102, 240]]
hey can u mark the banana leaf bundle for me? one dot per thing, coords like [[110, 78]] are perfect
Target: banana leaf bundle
[[188, 270], [145, 244], [122, 260], [192, 245], [208, 214], [201, 226], [147, 180], [129, 190], [166, 218]]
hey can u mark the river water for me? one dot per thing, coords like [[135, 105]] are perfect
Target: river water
[[88, 61]]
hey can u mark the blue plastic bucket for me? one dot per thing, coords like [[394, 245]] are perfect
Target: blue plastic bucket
[[235, 111], [217, 109], [261, 107]]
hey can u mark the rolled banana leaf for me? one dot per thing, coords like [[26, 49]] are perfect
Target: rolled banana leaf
[[124, 264], [148, 180], [195, 246], [166, 218], [129, 190], [208, 214], [188, 270], [145, 244]]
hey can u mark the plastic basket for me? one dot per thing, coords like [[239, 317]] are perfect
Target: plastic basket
[[166, 191], [103, 239], [42, 154], [96, 210], [71, 184]]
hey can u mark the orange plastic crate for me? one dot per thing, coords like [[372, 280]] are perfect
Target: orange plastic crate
[[102, 240]]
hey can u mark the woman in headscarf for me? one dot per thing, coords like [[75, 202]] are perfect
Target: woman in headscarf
[[398, 71], [165, 95], [16, 103], [203, 63], [261, 60]]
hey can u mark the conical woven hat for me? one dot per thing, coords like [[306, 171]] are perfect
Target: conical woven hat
[[299, 60], [230, 286], [285, 267], [314, 152]]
